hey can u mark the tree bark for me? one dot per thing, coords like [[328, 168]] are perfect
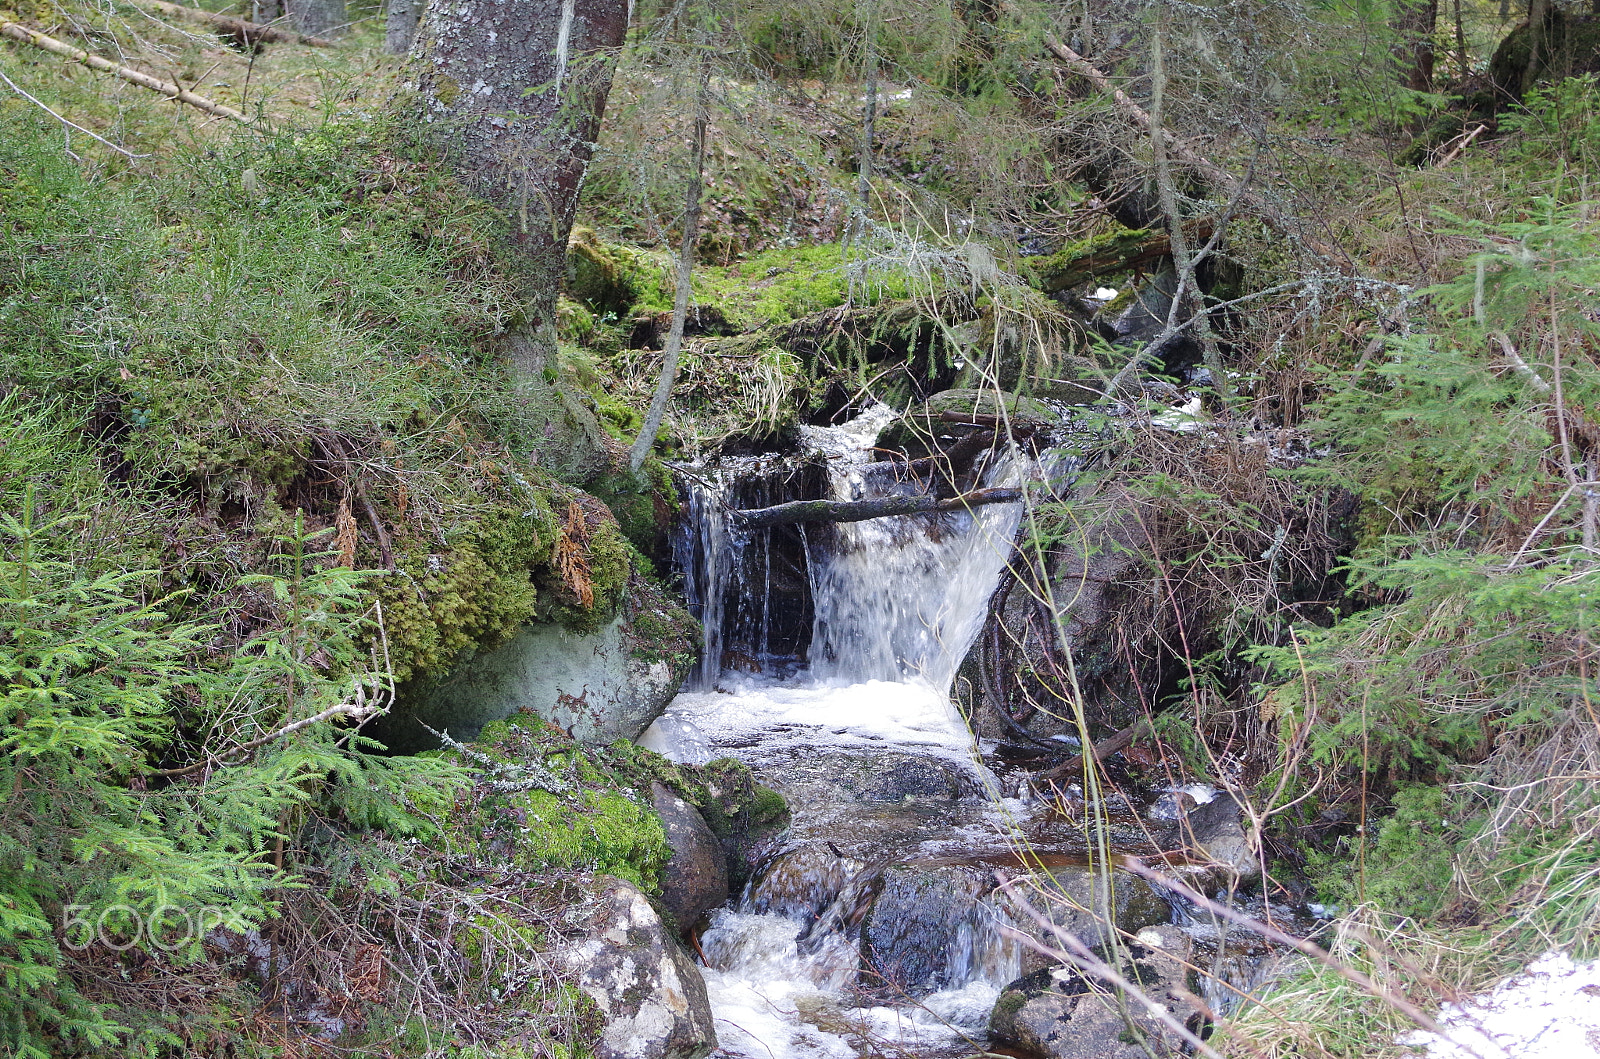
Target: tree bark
[[400, 25], [861, 510], [319, 18], [512, 93], [1415, 25], [240, 30]]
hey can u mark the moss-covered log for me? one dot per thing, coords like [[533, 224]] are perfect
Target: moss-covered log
[[861, 510], [1106, 255]]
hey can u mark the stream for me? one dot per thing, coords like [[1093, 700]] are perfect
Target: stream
[[829, 656]]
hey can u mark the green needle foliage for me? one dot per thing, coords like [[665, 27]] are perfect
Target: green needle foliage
[[97, 685]]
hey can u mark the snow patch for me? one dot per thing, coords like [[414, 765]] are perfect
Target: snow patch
[[1550, 1011]]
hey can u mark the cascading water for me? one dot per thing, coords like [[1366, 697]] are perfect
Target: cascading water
[[843, 927], [829, 654]]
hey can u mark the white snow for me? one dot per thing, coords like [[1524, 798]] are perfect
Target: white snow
[[1550, 1011]]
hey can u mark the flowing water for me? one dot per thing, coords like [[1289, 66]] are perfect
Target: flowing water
[[829, 654]]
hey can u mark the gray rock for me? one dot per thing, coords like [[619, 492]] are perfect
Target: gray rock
[[696, 877], [1216, 832], [648, 990], [600, 686], [1119, 631], [912, 936], [1058, 1013], [1085, 904]]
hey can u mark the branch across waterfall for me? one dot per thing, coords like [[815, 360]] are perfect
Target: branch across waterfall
[[861, 510]]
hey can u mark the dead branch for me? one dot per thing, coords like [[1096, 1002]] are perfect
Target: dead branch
[[22, 33], [1134, 114], [861, 510], [1111, 744], [245, 32], [70, 124], [1316, 952], [359, 710]]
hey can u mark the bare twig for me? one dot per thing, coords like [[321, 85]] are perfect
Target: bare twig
[[1523, 367], [360, 710], [1301, 945], [22, 33], [1079, 955], [70, 124]]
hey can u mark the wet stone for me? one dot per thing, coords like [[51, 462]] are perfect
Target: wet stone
[[695, 879], [919, 933]]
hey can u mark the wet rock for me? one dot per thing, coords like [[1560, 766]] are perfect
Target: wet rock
[[1086, 905], [918, 935], [1119, 632], [1215, 832], [1058, 1013], [695, 879], [648, 990]]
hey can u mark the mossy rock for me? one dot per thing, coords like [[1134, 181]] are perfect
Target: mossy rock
[[1572, 48]]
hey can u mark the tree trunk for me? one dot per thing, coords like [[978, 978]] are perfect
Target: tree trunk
[[400, 25], [680, 303], [319, 18], [512, 93], [1414, 52], [861, 510], [1538, 15]]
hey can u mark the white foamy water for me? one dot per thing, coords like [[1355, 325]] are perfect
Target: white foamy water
[[771, 1001], [753, 718]]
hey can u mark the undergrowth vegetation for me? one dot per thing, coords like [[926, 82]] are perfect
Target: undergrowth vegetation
[[264, 462]]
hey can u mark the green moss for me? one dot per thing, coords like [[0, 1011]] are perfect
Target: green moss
[[782, 285], [1408, 868], [469, 595], [602, 824], [601, 831], [1079, 262]]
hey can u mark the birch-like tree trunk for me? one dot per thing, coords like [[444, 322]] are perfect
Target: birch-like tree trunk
[[511, 92]]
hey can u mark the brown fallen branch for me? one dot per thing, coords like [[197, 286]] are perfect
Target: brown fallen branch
[[1111, 744], [240, 29], [861, 510], [1465, 142], [94, 62]]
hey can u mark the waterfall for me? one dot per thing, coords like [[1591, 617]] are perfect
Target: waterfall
[[829, 651]]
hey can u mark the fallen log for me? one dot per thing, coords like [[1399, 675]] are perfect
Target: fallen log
[[861, 510], [1111, 254], [22, 33], [1111, 744], [244, 31]]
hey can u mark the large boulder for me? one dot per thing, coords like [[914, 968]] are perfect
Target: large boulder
[[1119, 630], [647, 988], [1058, 1013], [695, 879], [599, 687]]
